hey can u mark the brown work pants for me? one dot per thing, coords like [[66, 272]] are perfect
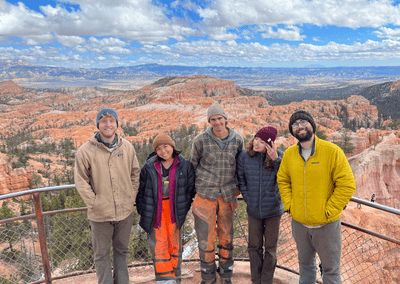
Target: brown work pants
[[214, 219]]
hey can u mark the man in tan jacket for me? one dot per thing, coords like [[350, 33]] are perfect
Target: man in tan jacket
[[107, 177]]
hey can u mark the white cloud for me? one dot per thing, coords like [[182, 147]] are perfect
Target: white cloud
[[107, 41], [292, 33], [95, 45], [139, 20], [18, 20], [207, 13], [221, 34], [218, 52], [39, 39], [70, 41], [388, 33], [348, 13], [209, 53], [106, 29]]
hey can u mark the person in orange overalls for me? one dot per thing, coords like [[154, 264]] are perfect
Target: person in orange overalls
[[166, 192]]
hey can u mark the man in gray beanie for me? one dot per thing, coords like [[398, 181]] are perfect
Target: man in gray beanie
[[316, 182], [213, 155], [107, 177], [215, 109]]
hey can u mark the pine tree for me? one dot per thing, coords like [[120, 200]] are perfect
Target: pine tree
[[10, 232], [345, 142], [320, 133]]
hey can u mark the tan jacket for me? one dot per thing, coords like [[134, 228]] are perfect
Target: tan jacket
[[107, 181]]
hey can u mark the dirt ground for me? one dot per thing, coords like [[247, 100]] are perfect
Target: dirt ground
[[190, 275]]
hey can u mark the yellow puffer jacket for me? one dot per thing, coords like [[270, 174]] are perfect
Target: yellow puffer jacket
[[315, 192]]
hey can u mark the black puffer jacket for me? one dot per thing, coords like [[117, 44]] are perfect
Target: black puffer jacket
[[146, 199], [258, 185]]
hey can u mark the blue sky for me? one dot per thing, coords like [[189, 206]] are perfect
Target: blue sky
[[244, 33]]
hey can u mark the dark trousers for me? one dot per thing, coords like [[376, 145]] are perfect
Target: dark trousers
[[263, 237]]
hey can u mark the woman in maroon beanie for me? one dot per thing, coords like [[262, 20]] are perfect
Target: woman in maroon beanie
[[256, 171]]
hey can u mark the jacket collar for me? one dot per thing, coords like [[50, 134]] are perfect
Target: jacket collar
[[94, 140], [316, 139]]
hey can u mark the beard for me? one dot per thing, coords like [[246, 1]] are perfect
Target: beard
[[305, 137]]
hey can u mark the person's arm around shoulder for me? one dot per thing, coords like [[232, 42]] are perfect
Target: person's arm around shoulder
[[135, 172], [191, 179], [241, 145], [142, 188], [284, 183], [82, 178], [241, 175], [196, 152], [345, 185]]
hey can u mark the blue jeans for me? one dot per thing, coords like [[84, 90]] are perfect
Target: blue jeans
[[327, 242]]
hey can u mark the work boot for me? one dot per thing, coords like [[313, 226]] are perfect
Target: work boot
[[209, 281], [226, 281], [208, 274]]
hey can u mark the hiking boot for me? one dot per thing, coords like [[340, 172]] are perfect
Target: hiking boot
[[226, 281], [209, 281]]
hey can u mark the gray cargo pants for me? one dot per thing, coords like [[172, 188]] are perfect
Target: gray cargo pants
[[105, 234]]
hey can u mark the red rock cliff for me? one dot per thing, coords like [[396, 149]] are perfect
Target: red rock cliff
[[13, 180], [377, 171]]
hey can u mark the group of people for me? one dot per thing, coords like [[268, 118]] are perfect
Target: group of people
[[312, 181]]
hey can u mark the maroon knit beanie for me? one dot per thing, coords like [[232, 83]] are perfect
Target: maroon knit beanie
[[267, 134]]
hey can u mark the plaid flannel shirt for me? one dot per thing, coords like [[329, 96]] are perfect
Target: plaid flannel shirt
[[216, 168]]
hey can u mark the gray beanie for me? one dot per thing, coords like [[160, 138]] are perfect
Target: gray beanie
[[105, 112], [301, 114], [214, 109]]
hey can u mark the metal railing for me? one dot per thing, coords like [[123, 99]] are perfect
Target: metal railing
[[44, 246]]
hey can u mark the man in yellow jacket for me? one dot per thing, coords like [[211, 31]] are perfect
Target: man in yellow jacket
[[316, 182], [107, 177]]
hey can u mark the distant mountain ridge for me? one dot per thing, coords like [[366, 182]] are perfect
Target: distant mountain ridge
[[141, 75], [386, 97]]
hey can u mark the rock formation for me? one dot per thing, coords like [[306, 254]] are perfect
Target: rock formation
[[385, 96], [377, 171], [13, 180]]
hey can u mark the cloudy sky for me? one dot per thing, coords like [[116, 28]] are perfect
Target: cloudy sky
[[245, 33]]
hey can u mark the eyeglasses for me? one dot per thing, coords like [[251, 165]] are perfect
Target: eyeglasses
[[297, 124]]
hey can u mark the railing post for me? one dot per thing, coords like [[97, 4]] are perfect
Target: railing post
[[42, 237]]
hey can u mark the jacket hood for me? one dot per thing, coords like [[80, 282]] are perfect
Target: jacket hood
[[152, 158], [93, 139], [222, 144]]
